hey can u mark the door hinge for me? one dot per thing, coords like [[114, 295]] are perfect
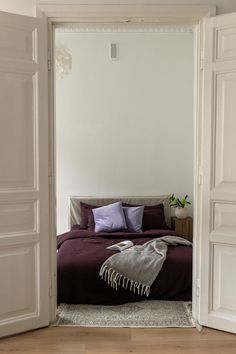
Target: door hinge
[[202, 64], [50, 289], [50, 179], [49, 64], [49, 60], [198, 287], [50, 175], [202, 60], [199, 176]]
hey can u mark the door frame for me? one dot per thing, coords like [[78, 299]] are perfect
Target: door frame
[[189, 15]]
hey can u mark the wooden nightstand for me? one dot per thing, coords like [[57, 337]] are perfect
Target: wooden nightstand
[[183, 227]]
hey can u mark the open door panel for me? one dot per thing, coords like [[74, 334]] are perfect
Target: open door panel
[[24, 201], [218, 227]]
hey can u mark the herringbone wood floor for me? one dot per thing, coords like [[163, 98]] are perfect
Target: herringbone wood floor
[[75, 340]]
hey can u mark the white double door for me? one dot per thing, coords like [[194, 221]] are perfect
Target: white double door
[[24, 186]]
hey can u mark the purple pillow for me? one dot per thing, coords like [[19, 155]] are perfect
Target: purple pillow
[[91, 222], [109, 218], [87, 221], [134, 218], [153, 217]]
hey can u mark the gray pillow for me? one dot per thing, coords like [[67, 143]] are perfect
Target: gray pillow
[[134, 218], [109, 218]]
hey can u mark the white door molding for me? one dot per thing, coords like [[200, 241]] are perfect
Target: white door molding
[[165, 15], [168, 14]]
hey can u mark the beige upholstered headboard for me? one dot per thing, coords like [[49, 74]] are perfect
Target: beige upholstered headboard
[[75, 212]]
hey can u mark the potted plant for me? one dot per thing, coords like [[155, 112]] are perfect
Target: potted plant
[[179, 205]]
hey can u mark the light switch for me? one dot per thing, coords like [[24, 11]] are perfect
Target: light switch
[[113, 51]]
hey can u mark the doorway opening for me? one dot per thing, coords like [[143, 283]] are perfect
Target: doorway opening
[[124, 120]]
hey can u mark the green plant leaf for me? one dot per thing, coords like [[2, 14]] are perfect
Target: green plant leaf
[[177, 202]]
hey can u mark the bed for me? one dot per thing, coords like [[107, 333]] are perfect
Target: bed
[[81, 253]]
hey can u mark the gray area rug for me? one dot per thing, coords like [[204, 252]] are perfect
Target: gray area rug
[[151, 313]]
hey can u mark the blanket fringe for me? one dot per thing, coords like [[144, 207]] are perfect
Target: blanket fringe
[[115, 279]]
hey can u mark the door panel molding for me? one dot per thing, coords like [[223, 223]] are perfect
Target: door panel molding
[[224, 167], [225, 43], [224, 217], [224, 290], [19, 216], [18, 133], [15, 304]]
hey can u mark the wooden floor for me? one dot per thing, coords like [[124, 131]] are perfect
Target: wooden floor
[[75, 340]]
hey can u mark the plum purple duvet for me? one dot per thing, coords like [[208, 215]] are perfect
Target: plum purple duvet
[[81, 254]]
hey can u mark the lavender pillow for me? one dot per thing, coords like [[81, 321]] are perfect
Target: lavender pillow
[[134, 218], [109, 218]]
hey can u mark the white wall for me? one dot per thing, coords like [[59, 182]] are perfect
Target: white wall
[[125, 127], [26, 7]]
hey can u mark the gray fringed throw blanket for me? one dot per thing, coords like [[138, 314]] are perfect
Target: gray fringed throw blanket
[[137, 267]]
